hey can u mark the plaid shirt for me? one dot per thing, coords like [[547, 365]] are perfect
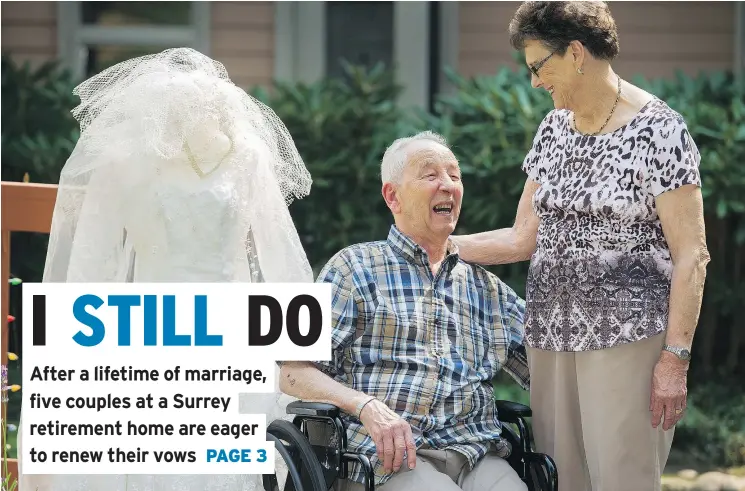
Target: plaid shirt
[[426, 345]]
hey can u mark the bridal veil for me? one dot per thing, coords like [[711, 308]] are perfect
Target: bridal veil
[[177, 109], [172, 129]]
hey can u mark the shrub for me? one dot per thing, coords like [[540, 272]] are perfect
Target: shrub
[[342, 128], [713, 429], [490, 121], [38, 135], [38, 130], [714, 108]]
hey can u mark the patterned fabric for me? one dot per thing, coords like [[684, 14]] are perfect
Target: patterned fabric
[[426, 345], [601, 273]]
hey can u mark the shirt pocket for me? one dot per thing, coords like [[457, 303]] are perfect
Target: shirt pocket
[[467, 333], [393, 332]]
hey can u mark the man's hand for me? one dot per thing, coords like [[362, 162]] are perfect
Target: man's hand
[[391, 434], [669, 391]]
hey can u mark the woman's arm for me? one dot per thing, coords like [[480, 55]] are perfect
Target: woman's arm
[[681, 214], [506, 245]]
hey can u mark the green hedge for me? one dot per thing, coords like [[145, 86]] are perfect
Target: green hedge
[[38, 135], [342, 129]]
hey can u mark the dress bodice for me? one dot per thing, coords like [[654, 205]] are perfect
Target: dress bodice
[[184, 227]]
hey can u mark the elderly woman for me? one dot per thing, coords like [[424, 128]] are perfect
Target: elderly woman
[[611, 218]]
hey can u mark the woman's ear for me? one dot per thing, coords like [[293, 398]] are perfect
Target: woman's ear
[[577, 50]]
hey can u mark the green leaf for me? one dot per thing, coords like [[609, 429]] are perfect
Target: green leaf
[[740, 236], [740, 133], [721, 209], [342, 127]]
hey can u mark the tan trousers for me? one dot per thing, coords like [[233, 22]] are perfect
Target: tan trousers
[[591, 414], [447, 470]]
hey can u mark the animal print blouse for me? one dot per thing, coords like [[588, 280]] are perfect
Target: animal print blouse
[[600, 276]]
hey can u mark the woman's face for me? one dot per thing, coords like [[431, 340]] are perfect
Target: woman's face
[[556, 72]]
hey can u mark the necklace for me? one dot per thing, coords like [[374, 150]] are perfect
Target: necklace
[[196, 167], [613, 109]]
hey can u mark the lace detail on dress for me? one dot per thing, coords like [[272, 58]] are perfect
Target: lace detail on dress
[[178, 176]]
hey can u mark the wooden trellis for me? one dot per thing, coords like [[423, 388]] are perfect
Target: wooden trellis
[[26, 207]]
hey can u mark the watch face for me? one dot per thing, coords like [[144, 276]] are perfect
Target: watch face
[[685, 354]]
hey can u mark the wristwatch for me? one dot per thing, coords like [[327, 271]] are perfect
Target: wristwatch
[[682, 353]]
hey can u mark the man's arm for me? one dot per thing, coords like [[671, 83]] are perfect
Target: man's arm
[[391, 434], [506, 245], [309, 380], [306, 381], [512, 312]]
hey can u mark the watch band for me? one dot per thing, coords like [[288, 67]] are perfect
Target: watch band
[[682, 353]]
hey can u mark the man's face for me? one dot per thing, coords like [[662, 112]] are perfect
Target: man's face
[[428, 198]]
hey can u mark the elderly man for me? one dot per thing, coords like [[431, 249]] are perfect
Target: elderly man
[[417, 337]]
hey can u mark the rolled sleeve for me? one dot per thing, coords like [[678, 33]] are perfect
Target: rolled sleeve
[[344, 317]]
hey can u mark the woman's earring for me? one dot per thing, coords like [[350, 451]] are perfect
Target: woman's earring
[[579, 70]]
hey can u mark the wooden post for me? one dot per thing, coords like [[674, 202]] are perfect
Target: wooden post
[[26, 207], [12, 465]]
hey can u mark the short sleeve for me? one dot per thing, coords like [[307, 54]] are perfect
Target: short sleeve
[[512, 315], [344, 317], [673, 158], [533, 164]]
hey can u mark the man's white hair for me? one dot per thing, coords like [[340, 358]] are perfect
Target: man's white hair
[[395, 157]]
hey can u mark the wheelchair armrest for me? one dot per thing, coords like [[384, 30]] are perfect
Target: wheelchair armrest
[[318, 409], [509, 411]]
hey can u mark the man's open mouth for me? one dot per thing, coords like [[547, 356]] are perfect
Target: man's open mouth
[[443, 209]]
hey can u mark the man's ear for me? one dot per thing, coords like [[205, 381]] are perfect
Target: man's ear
[[391, 197]]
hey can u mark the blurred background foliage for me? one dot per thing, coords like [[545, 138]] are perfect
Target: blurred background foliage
[[342, 127]]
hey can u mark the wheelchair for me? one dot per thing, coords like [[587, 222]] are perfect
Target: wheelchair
[[315, 462]]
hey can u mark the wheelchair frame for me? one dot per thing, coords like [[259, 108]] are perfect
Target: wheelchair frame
[[536, 470]]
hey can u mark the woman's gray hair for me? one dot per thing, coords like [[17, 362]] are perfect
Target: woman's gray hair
[[556, 24], [395, 157]]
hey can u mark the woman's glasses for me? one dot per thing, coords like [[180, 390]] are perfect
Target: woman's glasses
[[537, 65]]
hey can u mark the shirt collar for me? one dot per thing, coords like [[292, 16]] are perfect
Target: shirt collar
[[413, 252]]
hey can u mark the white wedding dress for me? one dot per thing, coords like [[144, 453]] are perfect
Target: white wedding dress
[[200, 195]]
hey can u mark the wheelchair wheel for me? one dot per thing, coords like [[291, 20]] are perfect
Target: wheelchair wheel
[[542, 475], [304, 471]]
